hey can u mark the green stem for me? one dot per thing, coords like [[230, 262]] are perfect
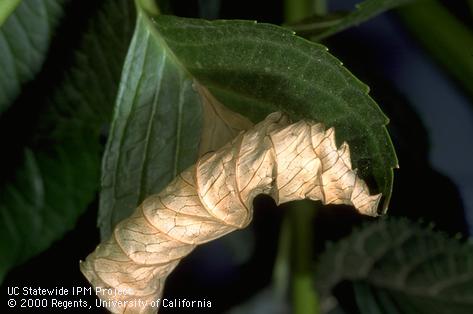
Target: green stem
[[281, 270], [296, 237], [6, 9], [445, 37], [304, 298], [470, 3]]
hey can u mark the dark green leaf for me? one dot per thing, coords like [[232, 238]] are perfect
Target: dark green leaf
[[44, 200], [397, 266], [24, 42], [60, 174], [319, 28], [253, 69], [155, 131]]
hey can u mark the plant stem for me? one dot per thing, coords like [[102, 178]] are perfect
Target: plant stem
[[281, 271], [470, 3], [304, 297], [297, 226], [445, 37]]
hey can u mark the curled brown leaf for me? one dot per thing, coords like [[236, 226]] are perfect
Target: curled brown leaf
[[214, 197]]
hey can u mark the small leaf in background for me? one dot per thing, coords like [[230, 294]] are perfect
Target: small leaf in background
[[60, 173], [24, 41], [252, 69], [320, 27], [400, 267]]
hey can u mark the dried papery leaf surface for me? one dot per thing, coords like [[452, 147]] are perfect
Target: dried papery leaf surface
[[214, 197], [220, 124]]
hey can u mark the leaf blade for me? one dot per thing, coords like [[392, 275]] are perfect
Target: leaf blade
[[398, 265], [146, 100], [338, 100], [6, 8], [63, 158], [24, 41], [245, 66]]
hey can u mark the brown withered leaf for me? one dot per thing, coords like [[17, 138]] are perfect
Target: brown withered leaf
[[221, 125], [214, 197]]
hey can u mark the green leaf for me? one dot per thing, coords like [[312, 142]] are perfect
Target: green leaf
[[253, 69], [155, 131], [24, 42], [320, 27], [60, 174], [6, 8], [397, 266], [44, 200]]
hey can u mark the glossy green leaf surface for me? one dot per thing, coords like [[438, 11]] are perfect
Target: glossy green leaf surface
[[253, 69], [397, 266]]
